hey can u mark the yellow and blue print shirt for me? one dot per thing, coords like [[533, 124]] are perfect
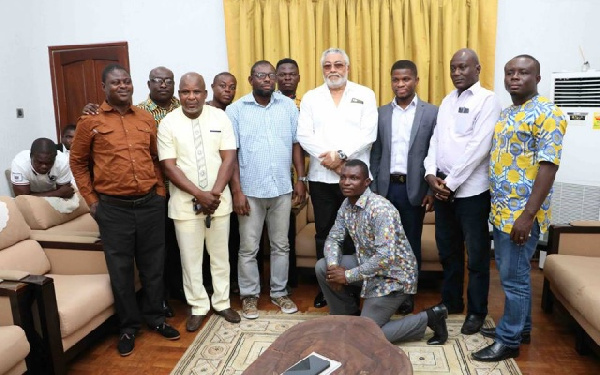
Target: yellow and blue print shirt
[[524, 136]]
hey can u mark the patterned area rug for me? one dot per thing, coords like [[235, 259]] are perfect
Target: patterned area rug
[[227, 349]]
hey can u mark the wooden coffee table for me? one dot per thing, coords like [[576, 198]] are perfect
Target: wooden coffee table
[[358, 343]]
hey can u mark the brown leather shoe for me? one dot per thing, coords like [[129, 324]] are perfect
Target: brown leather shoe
[[194, 322], [230, 315]]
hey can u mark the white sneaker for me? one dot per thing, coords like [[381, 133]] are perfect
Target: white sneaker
[[286, 304], [250, 307]]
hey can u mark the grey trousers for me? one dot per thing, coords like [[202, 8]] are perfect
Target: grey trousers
[[379, 309]]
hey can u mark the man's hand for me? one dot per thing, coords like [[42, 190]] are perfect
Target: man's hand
[[208, 201], [90, 109], [65, 191], [93, 208], [439, 187], [522, 228], [331, 160], [336, 277], [299, 193], [240, 204], [427, 203]]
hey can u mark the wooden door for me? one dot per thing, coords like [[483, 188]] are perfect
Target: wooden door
[[77, 76]]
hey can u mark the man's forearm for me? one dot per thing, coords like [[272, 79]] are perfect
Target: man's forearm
[[225, 170], [298, 160]]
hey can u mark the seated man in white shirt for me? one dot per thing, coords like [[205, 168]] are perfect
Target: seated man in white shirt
[[42, 171]]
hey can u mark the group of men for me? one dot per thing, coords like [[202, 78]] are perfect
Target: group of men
[[467, 159]]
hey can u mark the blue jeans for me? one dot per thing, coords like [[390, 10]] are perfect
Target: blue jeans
[[459, 223], [514, 264]]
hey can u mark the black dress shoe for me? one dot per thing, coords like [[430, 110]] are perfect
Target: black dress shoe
[[491, 333], [495, 353], [438, 324], [167, 310], [320, 300], [407, 306], [472, 324]]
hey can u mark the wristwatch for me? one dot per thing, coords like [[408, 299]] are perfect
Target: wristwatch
[[342, 155], [303, 179]]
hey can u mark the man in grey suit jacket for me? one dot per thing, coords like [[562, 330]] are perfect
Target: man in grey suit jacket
[[404, 130]]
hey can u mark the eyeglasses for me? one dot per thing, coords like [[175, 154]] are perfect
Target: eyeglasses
[[336, 65], [262, 76], [283, 75], [160, 81]]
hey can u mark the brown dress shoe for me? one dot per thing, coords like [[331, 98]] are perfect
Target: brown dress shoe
[[230, 315], [194, 322]]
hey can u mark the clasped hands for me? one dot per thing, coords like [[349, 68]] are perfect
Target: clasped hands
[[209, 202], [336, 277], [440, 190], [331, 160]]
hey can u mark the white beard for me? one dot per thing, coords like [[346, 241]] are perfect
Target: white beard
[[337, 84]]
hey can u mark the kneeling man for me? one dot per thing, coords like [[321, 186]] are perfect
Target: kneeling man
[[384, 268]]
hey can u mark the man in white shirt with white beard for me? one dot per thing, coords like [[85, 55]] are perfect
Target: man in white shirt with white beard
[[338, 121], [456, 169]]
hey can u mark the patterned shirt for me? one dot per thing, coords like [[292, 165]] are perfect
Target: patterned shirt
[[386, 262], [297, 99], [264, 137], [525, 135], [157, 111]]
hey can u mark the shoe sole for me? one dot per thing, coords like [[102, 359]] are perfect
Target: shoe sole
[[250, 316], [285, 311], [126, 354], [502, 358]]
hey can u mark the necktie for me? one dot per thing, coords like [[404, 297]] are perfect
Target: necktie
[[200, 159]]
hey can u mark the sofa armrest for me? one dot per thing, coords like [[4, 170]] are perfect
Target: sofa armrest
[[75, 258], [574, 239]]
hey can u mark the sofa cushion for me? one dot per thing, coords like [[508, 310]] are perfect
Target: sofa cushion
[[80, 298], [26, 256], [576, 278], [305, 242], [39, 214], [13, 227], [14, 347], [84, 224]]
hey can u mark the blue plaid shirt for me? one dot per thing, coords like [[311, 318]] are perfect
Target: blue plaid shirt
[[264, 137]]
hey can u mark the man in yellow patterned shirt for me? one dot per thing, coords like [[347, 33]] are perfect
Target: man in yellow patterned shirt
[[525, 155]]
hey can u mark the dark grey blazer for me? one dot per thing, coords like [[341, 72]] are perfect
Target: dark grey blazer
[[420, 134]]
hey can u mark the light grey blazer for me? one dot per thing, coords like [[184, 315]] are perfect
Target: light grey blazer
[[420, 134]]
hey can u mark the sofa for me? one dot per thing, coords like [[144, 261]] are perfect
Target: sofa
[[72, 294], [304, 244], [572, 278], [14, 346], [47, 223]]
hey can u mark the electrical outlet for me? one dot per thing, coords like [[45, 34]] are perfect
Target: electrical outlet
[[20, 113]]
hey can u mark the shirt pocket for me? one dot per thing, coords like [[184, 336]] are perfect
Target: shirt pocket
[[143, 134], [463, 124], [104, 138]]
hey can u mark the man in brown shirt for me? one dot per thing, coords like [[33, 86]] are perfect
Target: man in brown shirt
[[114, 159]]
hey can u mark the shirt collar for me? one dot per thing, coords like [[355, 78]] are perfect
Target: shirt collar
[[108, 108], [413, 103], [249, 98], [362, 201], [474, 89]]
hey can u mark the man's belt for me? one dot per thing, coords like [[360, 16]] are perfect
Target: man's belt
[[127, 201], [399, 178]]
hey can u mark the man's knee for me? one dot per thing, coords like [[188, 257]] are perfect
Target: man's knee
[[321, 268]]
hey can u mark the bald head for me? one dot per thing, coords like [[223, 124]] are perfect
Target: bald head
[[192, 94], [464, 69]]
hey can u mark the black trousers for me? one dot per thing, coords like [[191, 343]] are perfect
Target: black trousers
[[135, 234], [326, 200]]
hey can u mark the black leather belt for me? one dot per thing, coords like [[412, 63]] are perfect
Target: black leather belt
[[127, 201], [399, 178]]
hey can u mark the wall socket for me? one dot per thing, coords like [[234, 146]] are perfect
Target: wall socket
[[20, 113]]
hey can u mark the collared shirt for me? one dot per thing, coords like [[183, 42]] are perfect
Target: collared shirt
[[386, 262], [122, 151], [525, 135], [264, 138], [351, 126], [23, 174], [402, 123], [461, 142], [157, 111], [176, 141]]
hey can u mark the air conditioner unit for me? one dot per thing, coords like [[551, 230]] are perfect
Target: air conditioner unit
[[577, 186]]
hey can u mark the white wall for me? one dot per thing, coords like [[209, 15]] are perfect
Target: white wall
[[183, 35], [190, 36]]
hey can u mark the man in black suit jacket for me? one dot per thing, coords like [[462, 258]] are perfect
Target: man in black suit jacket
[[404, 130]]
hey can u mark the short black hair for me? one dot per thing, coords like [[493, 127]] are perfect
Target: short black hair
[[42, 146], [359, 163], [223, 74], [287, 60], [405, 64], [258, 63], [535, 61], [111, 68], [68, 128]]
